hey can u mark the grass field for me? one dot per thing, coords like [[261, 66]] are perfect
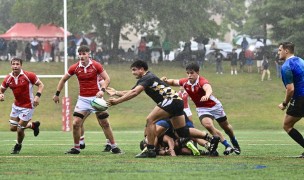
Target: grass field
[[251, 107], [264, 156]]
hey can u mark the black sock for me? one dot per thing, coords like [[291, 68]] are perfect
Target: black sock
[[296, 136], [150, 146]]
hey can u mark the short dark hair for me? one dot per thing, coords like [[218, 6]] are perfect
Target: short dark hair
[[140, 64], [288, 45], [16, 59], [193, 67], [84, 48]]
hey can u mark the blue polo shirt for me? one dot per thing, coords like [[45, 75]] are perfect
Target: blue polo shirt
[[293, 72]]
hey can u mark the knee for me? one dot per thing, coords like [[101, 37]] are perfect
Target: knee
[[287, 127], [13, 128]]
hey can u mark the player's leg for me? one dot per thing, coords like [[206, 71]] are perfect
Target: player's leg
[[78, 118], [20, 136], [288, 126], [82, 136], [105, 125], [227, 127], [156, 114]]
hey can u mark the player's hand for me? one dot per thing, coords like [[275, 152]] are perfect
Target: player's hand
[[164, 78], [36, 101], [56, 99], [205, 98], [111, 91], [112, 101], [282, 107], [100, 94], [1, 97]]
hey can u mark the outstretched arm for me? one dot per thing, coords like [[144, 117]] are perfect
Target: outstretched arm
[[127, 96], [171, 82]]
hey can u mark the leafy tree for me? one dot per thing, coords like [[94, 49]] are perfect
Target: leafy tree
[[6, 21]]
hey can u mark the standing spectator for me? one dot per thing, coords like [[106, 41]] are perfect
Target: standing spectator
[[34, 48], [279, 63], [142, 49], [61, 50], [242, 60], [88, 73], [72, 50], [249, 60], [12, 48], [3, 49], [166, 48], [234, 62], [259, 57], [201, 53], [40, 51], [22, 82], [28, 52], [47, 47], [292, 76], [265, 68], [219, 61], [244, 43], [155, 52], [93, 47]]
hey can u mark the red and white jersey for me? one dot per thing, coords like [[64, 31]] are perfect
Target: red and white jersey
[[185, 97], [22, 87], [196, 92], [88, 77]]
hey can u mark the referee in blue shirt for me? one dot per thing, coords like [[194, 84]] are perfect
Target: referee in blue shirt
[[293, 79]]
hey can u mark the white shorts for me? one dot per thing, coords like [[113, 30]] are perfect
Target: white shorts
[[216, 111], [188, 111], [259, 63], [84, 104], [24, 114]]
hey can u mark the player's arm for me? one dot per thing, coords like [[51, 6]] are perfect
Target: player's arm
[[104, 83], [39, 91], [129, 95], [60, 87], [208, 89], [113, 92], [171, 82], [2, 90], [288, 96]]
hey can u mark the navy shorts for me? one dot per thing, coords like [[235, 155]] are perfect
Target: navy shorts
[[175, 107], [296, 107]]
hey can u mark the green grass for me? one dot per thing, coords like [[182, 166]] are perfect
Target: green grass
[[251, 107], [248, 102], [264, 156]]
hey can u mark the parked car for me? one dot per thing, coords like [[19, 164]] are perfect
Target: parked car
[[225, 50]]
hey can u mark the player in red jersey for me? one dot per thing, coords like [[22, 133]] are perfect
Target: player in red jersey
[[21, 82], [88, 74], [185, 97], [208, 107]]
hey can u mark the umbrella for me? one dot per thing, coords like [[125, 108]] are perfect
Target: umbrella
[[240, 40]]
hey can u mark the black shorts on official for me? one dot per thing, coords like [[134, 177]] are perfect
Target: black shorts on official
[[175, 107], [296, 107]]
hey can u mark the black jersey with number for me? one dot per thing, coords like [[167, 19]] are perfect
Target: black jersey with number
[[156, 89]]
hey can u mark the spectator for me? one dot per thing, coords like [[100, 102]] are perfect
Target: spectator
[[34, 48], [61, 50], [249, 60], [166, 48], [244, 43], [265, 66], [234, 62], [142, 48], [242, 60], [219, 61], [47, 47], [28, 52]]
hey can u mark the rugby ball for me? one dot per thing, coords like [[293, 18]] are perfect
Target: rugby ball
[[99, 104]]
